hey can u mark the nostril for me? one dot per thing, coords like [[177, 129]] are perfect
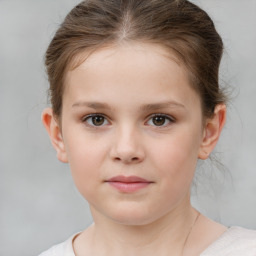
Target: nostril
[[128, 160]]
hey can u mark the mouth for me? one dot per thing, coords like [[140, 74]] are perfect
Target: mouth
[[128, 184]]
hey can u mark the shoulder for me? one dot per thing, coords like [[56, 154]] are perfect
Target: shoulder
[[63, 249], [236, 241]]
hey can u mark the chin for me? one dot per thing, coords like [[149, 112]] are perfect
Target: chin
[[133, 217]]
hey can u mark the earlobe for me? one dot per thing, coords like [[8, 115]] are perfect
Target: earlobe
[[212, 131], [54, 131]]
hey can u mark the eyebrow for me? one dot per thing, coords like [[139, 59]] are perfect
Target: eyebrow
[[155, 106], [146, 107], [94, 105]]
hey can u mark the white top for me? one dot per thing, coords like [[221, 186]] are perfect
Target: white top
[[236, 241]]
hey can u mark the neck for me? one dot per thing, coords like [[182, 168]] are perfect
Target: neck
[[165, 235]]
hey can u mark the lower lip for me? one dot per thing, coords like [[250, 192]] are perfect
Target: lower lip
[[129, 187]]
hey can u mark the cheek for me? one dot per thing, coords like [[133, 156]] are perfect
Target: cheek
[[176, 157], [85, 158]]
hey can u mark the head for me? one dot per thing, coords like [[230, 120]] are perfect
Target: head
[[108, 57], [178, 25]]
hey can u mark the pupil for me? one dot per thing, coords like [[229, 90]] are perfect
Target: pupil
[[158, 120], [98, 120]]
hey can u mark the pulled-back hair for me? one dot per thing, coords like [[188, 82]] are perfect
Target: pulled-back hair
[[178, 25]]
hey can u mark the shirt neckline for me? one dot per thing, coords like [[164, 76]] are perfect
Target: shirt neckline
[[70, 249]]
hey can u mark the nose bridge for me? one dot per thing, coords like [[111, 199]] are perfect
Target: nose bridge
[[127, 146]]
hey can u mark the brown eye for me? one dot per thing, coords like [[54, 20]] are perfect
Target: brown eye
[[160, 120], [96, 120]]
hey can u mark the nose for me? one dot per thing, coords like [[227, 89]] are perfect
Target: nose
[[127, 146]]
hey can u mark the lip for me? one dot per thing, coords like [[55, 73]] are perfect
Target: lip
[[128, 184]]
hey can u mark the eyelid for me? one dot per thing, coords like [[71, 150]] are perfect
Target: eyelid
[[171, 118], [86, 117], [168, 117]]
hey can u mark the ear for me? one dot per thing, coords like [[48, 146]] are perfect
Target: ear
[[54, 131], [212, 131]]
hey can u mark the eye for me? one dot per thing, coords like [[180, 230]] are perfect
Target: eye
[[95, 120], [160, 120]]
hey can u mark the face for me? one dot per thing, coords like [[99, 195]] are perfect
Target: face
[[132, 132]]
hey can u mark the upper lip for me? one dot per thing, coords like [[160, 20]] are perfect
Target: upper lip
[[128, 179]]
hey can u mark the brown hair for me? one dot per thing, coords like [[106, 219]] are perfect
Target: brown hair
[[178, 25]]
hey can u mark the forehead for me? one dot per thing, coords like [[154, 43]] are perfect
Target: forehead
[[147, 49], [140, 69]]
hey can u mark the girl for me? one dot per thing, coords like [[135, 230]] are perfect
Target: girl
[[135, 103]]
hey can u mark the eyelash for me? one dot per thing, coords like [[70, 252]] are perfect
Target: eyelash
[[166, 117], [88, 117]]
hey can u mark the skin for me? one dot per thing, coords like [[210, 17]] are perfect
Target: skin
[[126, 86]]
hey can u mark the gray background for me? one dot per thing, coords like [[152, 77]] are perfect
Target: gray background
[[39, 204]]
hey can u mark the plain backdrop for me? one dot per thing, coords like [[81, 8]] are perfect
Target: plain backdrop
[[40, 206]]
